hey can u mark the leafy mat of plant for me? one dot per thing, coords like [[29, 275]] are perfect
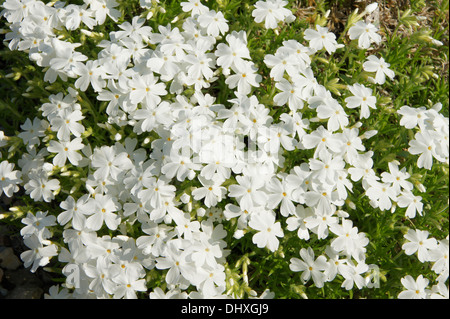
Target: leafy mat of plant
[[241, 149]]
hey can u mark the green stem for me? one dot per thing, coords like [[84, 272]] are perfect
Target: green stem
[[17, 114], [84, 100], [398, 255]]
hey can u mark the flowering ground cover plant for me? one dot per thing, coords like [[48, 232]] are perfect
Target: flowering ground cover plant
[[228, 149]]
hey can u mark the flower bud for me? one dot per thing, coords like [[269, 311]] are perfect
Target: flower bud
[[342, 213], [117, 137], [357, 125], [436, 42], [420, 187], [201, 212], [394, 207], [369, 134], [189, 207], [167, 219], [185, 198], [191, 174], [238, 234], [290, 18], [371, 7]]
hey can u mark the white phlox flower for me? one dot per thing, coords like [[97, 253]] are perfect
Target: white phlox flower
[[322, 38], [366, 33], [271, 12], [380, 67]]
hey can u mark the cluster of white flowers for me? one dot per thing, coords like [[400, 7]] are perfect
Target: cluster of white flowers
[[429, 250], [345, 257], [154, 81], [431, 138], [36, 236]]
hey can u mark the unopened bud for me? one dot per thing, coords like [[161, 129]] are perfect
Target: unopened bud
[[189, 207], [420, 187], [200, 212], [394, 207], [369, 134], [185, 198], [371, 7], [357, 125], [290, 18], [238, 234], [436, 42]]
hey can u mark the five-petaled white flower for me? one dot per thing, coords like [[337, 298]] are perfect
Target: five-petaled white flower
[[380, 67], [366, 33], [310, 267], [415, 289], [363, 98], [322, 38], [66, 150], [268, 230], [9, 179], [419, 242]]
